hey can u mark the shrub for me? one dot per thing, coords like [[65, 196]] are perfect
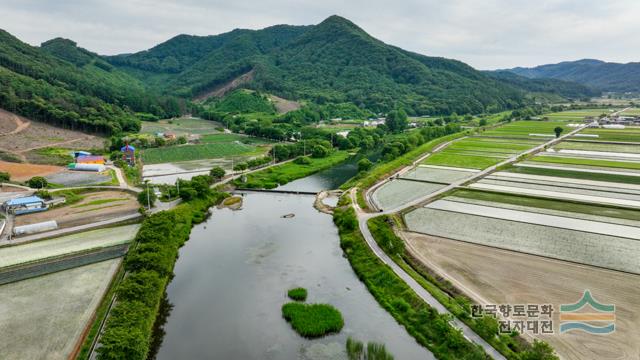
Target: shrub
[[319, 151], [374, 351], [313, 320], [302, 160], [298, 294], [364, 164], [44, 194], [4, 176], [37, 182]]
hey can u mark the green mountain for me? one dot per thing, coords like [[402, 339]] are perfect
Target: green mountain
[[71, 87], [332, 62], [604, 76], [550, 86]]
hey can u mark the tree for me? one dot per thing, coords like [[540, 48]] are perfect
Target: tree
[[217, 173], [364, 164], [38, 182], [319, 151], [396, 121], [4, 176], [483, 122], [558, 130]]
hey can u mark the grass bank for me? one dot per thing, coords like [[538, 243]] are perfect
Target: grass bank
[[279, 175], [431, 329], [380, 171], [511, 346], [149, 266]]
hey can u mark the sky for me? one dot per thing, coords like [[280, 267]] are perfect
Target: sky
[[487, 34]]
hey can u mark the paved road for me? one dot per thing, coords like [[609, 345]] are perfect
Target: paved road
[[415, 286]]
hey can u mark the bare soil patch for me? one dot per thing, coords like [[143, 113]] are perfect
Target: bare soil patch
[[229, 86], [495, 276], [94, 207], [23, 172], [283, 106], [27, 135]]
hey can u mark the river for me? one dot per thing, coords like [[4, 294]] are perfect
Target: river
[[233, 274]]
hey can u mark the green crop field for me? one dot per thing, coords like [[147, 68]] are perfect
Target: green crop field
[[625, 179], [229, 138], [524, 128], [544, 203], [589, 162], [461, 160], [579, 145], [198, 152], [182, 126], [623, 135], [577, 115], [632, 112]]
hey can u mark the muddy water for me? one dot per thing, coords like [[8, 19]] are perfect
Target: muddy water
[[233, 274]]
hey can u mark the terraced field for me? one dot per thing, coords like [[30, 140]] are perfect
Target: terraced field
[[588, 162]]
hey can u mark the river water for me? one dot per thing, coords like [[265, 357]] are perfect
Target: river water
[[233, 274]]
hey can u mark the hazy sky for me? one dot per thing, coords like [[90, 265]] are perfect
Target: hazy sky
[[486, 34]]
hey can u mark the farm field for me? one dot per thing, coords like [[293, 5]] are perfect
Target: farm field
[[496, 276], [553, 206], [74, 243], [523, 129], [631, 112], [578, 174], [93, 207], [588, 162], [571, 245], [581, 145], [468, 161], [538, 218], [198, 152], [579, 115], [621, 135], [437, 174], [61, 304], [397, 192], [181, 126], [23, 172], [231, 138]]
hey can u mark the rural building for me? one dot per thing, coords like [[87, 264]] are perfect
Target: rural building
[[25, 205], [128, 154], [90, 159], [77, 154]]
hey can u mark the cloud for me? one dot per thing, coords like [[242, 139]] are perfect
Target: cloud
[[487, 35]]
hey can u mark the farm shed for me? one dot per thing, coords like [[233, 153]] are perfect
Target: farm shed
[[35, 228], [25, 205]]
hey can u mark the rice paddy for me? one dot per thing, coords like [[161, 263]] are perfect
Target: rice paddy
[[398, 192], [198, 152], [631, 135]]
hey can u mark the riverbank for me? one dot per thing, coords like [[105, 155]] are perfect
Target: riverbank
[[431, 329], [149, 265], [272, 177]]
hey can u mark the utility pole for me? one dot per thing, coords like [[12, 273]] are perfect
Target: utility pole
[[148, 198], [178, 186]]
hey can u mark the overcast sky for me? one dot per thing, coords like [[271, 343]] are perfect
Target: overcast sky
[[486, 34]]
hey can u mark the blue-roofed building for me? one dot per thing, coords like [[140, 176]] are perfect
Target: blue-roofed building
[[25, 205], [129, 154]]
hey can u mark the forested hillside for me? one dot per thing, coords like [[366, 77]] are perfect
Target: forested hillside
[[332, 62], [566, 89], [71, 87], [597, 74]]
